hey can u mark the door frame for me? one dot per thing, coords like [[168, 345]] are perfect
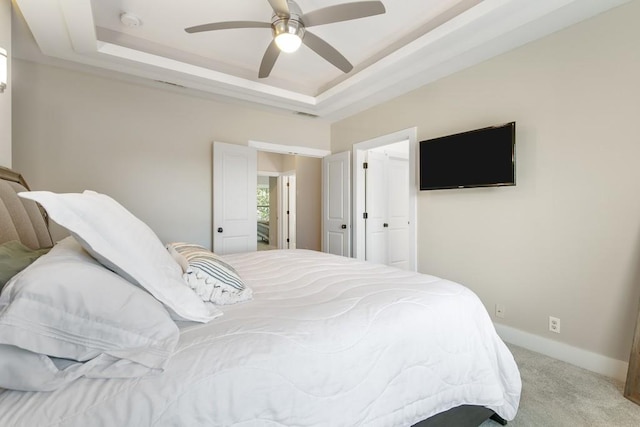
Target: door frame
[[288, 149], [359, 151]]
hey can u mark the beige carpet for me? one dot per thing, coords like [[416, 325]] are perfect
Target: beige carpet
[[262, 246], [555, 393]]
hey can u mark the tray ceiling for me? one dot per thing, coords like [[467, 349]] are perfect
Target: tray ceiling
[[415, 42]]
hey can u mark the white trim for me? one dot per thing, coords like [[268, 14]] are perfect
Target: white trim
[[359, 150], [594, 362], [288, 149], [169, 64], [78, 16], [268, 173]]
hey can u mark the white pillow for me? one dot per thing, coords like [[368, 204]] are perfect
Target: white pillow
[[27, 371], [209, 275], [67, 305], [126, 245]]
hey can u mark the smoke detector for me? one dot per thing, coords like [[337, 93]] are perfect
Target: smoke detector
[[129, 20]]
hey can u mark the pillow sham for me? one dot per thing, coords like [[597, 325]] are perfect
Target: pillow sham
[[126, 245], [15, 257], [209, 275], [67, 305], [27, 371]]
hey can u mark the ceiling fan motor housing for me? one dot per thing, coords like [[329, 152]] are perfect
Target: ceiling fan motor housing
[[291, 24]]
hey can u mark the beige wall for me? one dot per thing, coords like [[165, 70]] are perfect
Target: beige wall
[[566, 240], [5, 98], [270, 162], [149, 148], [308, 202]]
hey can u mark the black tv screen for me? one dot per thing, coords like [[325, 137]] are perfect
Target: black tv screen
[[478, 158]]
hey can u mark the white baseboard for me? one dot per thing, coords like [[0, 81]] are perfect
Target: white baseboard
[[594, 362]]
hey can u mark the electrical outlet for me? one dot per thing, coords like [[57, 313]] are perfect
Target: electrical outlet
[[501, 311], [554, 324]]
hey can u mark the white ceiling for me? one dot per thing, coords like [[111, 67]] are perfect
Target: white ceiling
[[415, 42]]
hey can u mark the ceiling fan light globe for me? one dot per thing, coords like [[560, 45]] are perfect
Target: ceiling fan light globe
[[288, 42]]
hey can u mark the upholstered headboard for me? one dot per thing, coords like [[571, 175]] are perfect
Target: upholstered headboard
[[21, 219]]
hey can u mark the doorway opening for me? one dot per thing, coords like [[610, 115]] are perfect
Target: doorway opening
[[276, 210], [267, 212], [235, 172], [296, 197], [384, 188]]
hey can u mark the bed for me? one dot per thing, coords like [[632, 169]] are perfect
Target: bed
[[263, 230], [325, 340]]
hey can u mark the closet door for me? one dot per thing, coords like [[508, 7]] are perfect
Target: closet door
[[376, 207], [234, 198], [398, 237]]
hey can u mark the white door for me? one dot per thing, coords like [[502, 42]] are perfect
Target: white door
[[387, 207], [288, 212], [234, 198], [336, 204], [402, 191], [376, 207], [398, 240]]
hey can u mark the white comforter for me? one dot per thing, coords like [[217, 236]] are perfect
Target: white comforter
[[326, 341]]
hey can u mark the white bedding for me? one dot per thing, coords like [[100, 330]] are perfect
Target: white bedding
[[326, 341]]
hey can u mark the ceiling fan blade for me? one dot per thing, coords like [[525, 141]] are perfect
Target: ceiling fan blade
[[280, 7], [229, 25], [269, 60], [327, 51], [343, 12]]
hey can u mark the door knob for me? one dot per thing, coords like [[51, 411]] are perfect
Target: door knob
[[343, 226], [385, 225], [220, 230]]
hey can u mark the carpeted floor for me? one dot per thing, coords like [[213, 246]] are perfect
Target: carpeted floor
[[555, 393], [262, 246]]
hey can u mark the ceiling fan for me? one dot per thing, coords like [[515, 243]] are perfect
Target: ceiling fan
[[288, 25]]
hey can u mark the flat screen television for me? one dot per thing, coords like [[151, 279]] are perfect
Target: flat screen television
[[478, 158]]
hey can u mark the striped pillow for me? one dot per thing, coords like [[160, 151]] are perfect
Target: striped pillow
[[209, 275]]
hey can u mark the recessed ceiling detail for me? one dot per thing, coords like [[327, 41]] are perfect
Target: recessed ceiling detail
[[289, 27], [413, 43]]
